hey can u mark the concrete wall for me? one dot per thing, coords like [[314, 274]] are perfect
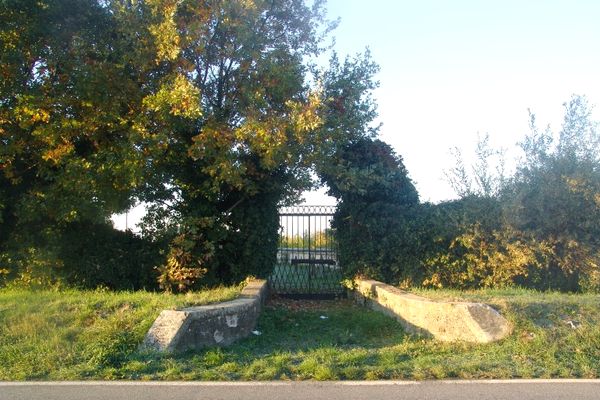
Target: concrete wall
[[444, 320], [212, 325]]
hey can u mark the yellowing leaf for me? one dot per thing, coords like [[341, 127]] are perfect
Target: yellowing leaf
[[165, 32], [56, 154], [178, 97]]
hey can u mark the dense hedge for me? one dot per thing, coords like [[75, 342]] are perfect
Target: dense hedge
[[85, 255], [252, 250], [462, 244], [378, 240], [377, 203], [99, 255]]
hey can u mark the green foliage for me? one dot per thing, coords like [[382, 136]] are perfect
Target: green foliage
[[368, 170], [538, 229], [189, 254], [485, 177], [214, 114], [250, 247], [66, 109], [30, 266], [376, 240], [319, 239], [348, 108], [480, 258], [81, 255], [374, 217], [202, 109], [555, 196], [543, 228], [101, 256], [250, 146], [71, 154]]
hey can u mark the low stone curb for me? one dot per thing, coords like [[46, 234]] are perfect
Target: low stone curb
[[211, 325], [444, 320]]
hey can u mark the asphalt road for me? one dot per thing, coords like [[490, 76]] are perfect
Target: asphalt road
[[371, 390]]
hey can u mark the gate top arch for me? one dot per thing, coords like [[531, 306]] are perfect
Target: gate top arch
[[307, 210]]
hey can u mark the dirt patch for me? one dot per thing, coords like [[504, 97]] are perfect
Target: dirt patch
[[307, 305]]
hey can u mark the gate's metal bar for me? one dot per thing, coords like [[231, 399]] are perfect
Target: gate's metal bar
[[308, 266], [307, 259]]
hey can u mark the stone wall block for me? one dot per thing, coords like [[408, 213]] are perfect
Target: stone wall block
[[211, 325], [443, 320]]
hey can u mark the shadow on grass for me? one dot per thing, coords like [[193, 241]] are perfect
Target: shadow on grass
[[343, 341], [334, 341]]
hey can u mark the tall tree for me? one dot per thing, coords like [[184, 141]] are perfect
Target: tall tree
[[210, 111], [237, 113]]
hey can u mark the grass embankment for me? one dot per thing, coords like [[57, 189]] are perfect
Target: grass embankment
[[92, 335], [77, 334]]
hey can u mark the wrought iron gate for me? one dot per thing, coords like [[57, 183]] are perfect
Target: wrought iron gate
[[307, 262]]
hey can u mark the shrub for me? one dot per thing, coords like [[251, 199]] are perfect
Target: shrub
[[373, 219], [555, 197], [541, 228], [250, 247], [240, 242], [86, 255], [97, 255], [377, 240], [480, 258]]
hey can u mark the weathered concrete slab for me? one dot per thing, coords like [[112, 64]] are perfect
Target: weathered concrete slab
[[444, 320], [212, 325]]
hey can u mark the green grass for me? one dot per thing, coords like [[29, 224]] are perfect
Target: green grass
[[76, 334], [94, 335]]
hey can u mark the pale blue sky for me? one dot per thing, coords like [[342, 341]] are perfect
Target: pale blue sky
[[450, 69]]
